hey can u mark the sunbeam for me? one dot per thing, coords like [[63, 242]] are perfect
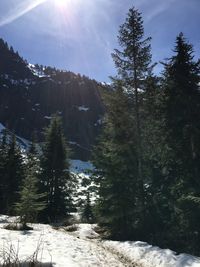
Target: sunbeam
[[19, 11]]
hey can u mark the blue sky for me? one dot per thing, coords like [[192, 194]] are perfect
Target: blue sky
[[80, 35]]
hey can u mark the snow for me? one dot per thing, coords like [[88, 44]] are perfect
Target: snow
[[48, 117], [99, 122], [1, 127], [58, 246], [36, 72], [83, 248], [82, 171], [80, 167], [151, 256], [83, 108], [22, 142], [86, 231]]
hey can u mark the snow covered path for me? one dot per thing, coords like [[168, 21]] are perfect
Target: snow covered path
[[82, 248], [63, 249]]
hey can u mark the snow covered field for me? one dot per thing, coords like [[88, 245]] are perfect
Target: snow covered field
[[58, 246], [82, 248]]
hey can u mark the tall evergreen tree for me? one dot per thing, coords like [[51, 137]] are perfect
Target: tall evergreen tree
[[30, 204], [116, 166], [3, 153], [55, 176], [13, 175], [133, 65], [182, 109]]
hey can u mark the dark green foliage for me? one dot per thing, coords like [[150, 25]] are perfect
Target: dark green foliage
[[182, 114], [3, 151], [87, 211], [115, 161], [55, 176], [147, 160], [120, 152], [30, 203], [133, 64], [11, 173]]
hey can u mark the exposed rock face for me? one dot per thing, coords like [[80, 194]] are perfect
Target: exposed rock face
[[31, 94]]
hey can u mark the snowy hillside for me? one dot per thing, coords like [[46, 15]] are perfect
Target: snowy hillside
[[83, 248], [22, 142]]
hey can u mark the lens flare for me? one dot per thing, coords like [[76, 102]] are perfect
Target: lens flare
[[19, 11]]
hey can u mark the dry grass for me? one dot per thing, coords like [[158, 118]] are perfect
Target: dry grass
[[9, 257]]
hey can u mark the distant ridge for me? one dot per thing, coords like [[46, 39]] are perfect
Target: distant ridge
[[30, 94]]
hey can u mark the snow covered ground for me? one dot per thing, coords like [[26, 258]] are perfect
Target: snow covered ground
[[149, 256], [83, 248], [59, 247], [80, 167]]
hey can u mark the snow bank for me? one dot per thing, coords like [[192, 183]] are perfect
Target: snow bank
[[150, 256]]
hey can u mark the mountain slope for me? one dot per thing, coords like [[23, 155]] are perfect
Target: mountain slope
[[30, 94]]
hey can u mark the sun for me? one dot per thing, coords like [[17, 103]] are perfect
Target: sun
[[61, 3]]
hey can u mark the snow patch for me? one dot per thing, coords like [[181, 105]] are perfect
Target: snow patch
[[149, 256], [83, 108], [1, 127], [80, 167], [48, 117], [36, 72]]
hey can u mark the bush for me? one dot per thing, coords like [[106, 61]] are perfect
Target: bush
[[18, 227], [71, 228]]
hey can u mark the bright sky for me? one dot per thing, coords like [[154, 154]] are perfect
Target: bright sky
[[80, 35]]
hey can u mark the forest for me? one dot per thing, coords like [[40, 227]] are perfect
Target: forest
[[146, 160]]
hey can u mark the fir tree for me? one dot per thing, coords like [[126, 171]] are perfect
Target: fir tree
[[119, 156], [3, 153], [133, 65], [13, 175], [182, 111], [30, 203], [115, 162], [55, 176], [87, 212]]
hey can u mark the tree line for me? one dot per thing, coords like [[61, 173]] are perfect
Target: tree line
[[147, 161]]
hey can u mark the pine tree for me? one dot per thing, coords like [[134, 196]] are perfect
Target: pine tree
[[182, 109], [30, 203], [115, 162], [13, 175], [133, 64], [156, 156], [55, 176], [3, 152], [87, 212]]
